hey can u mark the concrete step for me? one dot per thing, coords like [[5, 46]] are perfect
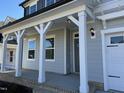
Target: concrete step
[[57, 89]]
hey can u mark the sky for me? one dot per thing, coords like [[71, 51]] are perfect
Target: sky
[[10, 8]]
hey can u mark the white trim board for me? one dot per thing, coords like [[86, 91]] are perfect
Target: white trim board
[[111, 15], [109, 5], [112, 30], [74, 50], [65, 53]]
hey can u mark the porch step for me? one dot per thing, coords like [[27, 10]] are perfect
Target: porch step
[[53, 89], [94, 86]]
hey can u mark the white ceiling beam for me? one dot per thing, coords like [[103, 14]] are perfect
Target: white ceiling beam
[[111, 15], [37, 29], [90, 13], [48, 26], [74, 20]]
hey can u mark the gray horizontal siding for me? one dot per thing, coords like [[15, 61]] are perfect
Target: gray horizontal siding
[[94, 52], [94, 55], [58, 65], [52, 66]]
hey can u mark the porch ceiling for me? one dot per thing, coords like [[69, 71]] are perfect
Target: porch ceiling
[[62, 11], [57, 24]]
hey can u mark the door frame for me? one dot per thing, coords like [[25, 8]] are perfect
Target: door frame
[[103, 37], [74, 51]]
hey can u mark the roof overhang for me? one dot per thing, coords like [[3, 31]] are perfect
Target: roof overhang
[[39, 12], [24, 2], [69, 8]]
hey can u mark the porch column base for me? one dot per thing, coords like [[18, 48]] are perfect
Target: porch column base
[[84, 89], [18, 74], [41, 80]]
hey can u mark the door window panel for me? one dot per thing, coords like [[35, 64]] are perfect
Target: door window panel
[[117, 39]]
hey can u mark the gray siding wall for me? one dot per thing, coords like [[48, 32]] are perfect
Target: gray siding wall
[[94, 55], [94, 48], [118, 22], [68, 56], [52, 66], [30, 64]]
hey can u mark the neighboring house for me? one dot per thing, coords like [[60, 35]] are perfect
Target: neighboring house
[[11, 46], [71, 36]]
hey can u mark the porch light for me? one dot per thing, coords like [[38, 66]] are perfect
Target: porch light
[[93, 33], [68, 21]]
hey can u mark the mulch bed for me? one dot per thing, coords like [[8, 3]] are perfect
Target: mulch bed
[[6, 87]]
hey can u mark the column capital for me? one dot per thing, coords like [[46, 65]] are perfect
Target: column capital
[[82, 13]]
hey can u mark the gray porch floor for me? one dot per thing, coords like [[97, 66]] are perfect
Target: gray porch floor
[[70, 82], [55, 83]]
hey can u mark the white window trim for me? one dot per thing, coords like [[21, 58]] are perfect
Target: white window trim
[[32, 39], [74, 69], [46, 3], [50, 60], [31, 6]]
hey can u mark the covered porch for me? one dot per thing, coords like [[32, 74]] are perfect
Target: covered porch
[[42, 24]]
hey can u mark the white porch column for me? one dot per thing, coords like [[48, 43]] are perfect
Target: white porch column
[[41, 77], [19, 51], [4, 52], [42, 31], [83, 53]]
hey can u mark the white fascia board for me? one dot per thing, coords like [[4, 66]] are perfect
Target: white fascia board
[[113, 30], [109, 5], [111, 15]]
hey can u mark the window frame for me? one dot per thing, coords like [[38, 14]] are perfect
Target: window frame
[[48, 37], [46, 3], [32, 39]]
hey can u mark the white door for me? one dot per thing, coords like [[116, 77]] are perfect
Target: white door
[[11, 58], [115, 61]]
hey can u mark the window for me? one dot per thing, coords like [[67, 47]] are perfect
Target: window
[[117, 39], [31, 48], [11, 56], [33, 9], [49, 2], [50, 48], [76, 35]]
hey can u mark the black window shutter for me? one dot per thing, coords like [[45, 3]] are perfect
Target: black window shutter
[[26, 11]]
